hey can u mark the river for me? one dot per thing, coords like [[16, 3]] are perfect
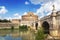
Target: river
[[16, 35]]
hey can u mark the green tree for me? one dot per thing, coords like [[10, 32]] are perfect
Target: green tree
[[23, 28], [0, 20], [40, 34], [12, 28], [5, 20]]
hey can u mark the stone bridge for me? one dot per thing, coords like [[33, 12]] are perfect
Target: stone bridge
[[51, 24]]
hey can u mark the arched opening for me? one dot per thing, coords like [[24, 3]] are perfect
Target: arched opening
[[36, 25], [45, 26]]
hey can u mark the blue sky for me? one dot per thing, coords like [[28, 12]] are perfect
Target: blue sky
[[17, 8]]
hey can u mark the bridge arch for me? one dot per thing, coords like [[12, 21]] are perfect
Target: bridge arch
[[45, 26]]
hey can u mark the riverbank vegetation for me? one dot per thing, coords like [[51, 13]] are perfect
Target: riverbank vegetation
[[23, 28]]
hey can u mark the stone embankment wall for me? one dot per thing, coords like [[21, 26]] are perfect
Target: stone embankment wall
[[8, 25]]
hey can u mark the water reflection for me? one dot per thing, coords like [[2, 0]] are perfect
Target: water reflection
[[16, 35], [9, 35]]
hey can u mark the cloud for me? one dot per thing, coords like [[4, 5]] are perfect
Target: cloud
[[40, 1], [16, 16], [3, 10], [8, 18], [46, 8], [26, 2], [35, 1], [19, 17], [25, 13]]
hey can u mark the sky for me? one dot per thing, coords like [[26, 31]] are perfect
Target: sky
[[14, 9]]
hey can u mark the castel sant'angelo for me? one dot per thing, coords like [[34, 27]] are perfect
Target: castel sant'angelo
[[29, 19], [50, 23]]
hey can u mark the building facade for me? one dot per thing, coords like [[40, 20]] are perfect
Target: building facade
[[29, 19]]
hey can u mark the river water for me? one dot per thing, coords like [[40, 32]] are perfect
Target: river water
[[15, 35]]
